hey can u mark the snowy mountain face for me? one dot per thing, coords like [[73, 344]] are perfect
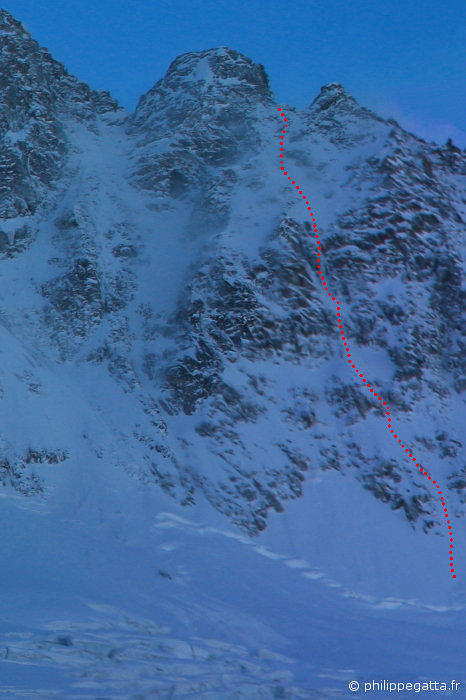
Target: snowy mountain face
[[172, 375], [249, 342]]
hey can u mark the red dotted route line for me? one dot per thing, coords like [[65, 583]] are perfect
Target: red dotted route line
[[347, 350]]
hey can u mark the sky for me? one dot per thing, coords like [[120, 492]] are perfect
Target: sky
[[402, 58]]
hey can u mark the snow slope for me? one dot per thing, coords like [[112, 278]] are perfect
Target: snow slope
[[129, 598]]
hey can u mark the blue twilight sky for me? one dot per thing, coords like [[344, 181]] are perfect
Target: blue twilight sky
[[402, 58]]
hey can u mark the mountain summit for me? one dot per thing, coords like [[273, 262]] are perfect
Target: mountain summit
[[331, 95], [37, 95], [183, 447], [204, 104], [8, 24], [198, 81]]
